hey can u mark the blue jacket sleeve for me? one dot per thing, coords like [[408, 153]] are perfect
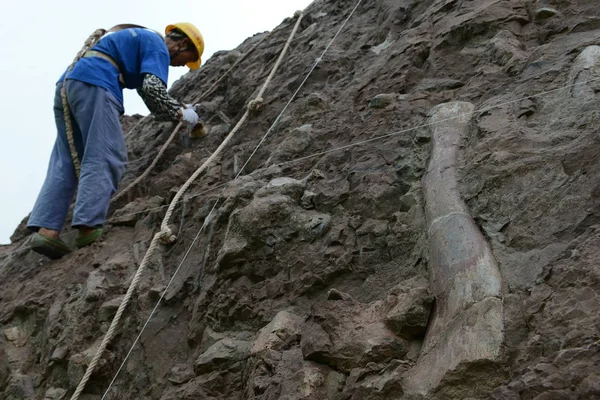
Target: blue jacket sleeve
[[154, 57]]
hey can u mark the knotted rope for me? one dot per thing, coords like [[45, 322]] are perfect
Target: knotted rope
[[165, 235]]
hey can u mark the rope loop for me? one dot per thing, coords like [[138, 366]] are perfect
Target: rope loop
[[256, 105], [166, 236]]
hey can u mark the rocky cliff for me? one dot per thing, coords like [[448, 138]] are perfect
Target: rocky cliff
[[450, 253]]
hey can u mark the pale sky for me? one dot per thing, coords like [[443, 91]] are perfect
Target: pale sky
[[41, 38]]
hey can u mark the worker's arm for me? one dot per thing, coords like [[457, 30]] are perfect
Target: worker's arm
[[157, 99]]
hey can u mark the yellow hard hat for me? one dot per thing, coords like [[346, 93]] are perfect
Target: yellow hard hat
[[194, 35]]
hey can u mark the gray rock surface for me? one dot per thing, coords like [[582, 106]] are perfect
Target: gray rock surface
[[313, 278]]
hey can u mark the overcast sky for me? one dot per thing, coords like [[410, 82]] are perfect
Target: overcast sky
[[41, 38]]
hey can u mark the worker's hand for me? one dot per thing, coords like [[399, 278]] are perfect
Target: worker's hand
[[189, 115]]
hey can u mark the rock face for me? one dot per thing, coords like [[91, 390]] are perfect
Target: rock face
[[329, 271]]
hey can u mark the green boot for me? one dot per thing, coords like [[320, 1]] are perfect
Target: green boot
[[53, 248], [88, 239]]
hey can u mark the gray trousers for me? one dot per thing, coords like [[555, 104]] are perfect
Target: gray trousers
[[102, 153]]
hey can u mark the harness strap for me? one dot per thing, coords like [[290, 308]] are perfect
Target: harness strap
[[120, 27], [94, 53]]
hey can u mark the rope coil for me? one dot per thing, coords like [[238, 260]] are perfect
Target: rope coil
[[89, 43]]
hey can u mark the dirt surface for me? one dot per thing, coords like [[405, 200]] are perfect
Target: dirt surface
[[311, 279]]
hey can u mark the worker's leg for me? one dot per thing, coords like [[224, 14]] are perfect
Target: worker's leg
[[104, 155], [52, 205]]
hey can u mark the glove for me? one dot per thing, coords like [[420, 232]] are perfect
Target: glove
[[189, 115]]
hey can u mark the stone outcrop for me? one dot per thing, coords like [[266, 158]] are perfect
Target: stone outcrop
[[451, 255]]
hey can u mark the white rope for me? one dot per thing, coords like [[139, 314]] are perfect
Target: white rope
[[254, 104], [135, 127], [251, 106], [165, 234], [162, 296], [319, 59], [117, 317], [207, 219]]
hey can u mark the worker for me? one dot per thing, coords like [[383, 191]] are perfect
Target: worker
[[132, 58]]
